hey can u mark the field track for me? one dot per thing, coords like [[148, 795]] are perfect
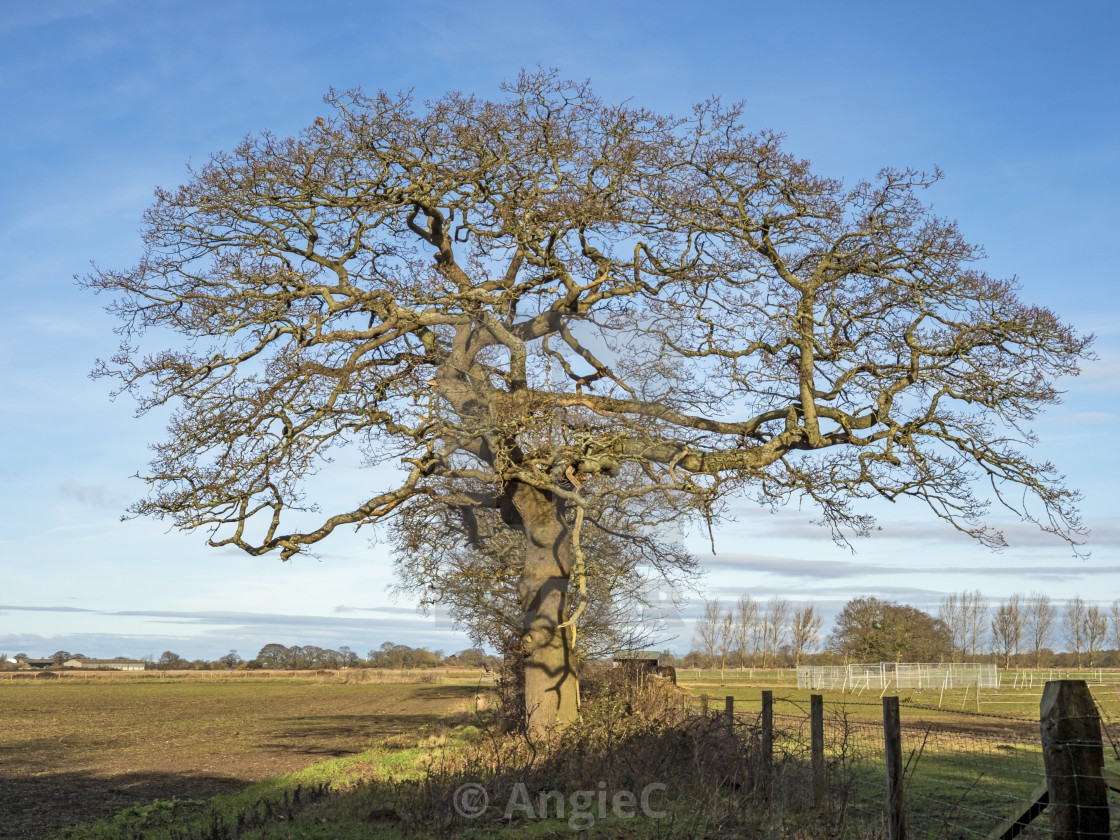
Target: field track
[[72, 749]]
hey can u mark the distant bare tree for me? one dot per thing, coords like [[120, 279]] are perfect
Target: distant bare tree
[[726, 639], [1007, 628], [1039, 616], [974, 607], [1116, 625], [950, 613], [1073, 623], [964, 613], [774, 627], [707, 634], [805, 631], [746, 629], [1095, 632], [758, 640]]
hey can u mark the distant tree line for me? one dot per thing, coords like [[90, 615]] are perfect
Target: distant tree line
[[754, 633], [1021, 631], [313, 657], [297, 657]]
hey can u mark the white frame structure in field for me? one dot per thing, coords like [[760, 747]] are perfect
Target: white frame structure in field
[[920, 675]]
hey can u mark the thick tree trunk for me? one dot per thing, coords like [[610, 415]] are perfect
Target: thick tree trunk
[[551, 686]]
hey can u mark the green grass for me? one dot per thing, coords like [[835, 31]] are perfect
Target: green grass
[[972, 757]]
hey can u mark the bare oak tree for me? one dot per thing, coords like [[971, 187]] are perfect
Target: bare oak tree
[[546, 307]]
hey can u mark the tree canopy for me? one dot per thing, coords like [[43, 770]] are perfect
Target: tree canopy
[[567, 322], [872, 630]]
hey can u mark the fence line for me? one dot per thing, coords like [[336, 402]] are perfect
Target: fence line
[[952, 779]]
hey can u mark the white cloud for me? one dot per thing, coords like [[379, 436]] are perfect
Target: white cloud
[[93, 495]]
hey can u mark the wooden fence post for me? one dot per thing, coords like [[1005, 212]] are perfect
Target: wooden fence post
[[896, 799], [729, 709], [703, 705], [1074, 757], [766, 744], [816, 743]]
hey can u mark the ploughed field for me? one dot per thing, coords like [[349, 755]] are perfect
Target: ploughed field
[[73, 749]]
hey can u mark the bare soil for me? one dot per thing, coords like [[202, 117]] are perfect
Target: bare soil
[[71, 750]]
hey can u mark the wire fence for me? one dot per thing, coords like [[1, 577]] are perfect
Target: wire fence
[[966, 782], [964, 775]]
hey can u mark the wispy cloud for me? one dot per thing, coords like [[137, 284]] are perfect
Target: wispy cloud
[[790, 567], [789, 524], [94, 495], [391, 610]]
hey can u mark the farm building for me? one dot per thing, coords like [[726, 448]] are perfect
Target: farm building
[[105, 664], [648, 659], [644, 662], [883, 675]]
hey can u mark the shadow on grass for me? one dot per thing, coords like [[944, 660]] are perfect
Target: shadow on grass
[[338, 735], [37, 806]]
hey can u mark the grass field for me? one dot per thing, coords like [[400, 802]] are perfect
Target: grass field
[[72, 749], [1018, 696], [972, 756]]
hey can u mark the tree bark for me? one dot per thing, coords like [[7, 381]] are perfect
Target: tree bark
[[551, 684]]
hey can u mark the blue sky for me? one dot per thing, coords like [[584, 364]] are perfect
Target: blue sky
[[102, 101]]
